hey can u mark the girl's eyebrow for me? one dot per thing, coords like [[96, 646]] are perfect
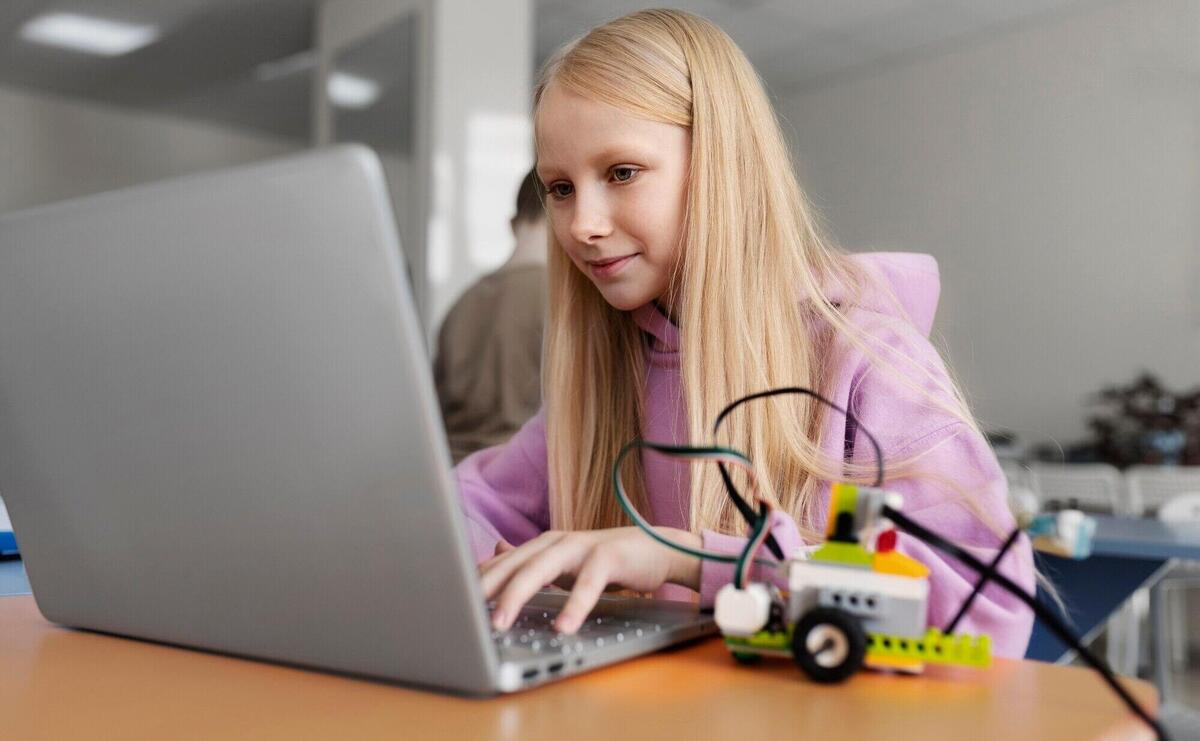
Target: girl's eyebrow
[[606, 156], [617, 152]]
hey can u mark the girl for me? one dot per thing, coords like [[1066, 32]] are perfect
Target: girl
[[686, 271]]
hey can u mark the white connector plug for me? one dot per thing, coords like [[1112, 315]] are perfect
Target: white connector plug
[[742, 612]]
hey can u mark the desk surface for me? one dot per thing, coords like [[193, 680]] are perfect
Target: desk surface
[[60, 683], [1144, 537]]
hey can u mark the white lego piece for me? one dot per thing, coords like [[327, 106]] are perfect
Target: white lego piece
[[814, 574], [742, 612]]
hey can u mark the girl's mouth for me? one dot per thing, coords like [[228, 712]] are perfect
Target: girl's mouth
[[609, 268]]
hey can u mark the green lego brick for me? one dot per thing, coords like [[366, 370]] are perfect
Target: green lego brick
[[849, 554], [934, 647], [763, 642]]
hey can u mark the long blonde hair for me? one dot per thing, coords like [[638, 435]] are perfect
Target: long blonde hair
[[751, 252]]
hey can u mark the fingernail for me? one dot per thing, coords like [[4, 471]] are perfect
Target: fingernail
[[500, 620]]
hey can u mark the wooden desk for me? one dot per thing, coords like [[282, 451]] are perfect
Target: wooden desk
[[63, 684]]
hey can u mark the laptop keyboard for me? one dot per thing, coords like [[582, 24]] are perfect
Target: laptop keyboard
[[533, 634]]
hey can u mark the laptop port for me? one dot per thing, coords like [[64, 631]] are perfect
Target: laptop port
[[555, 667], [530, 673]]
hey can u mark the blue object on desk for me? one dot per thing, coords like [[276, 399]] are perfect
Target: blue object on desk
[[13, 580], [1127, 553], [8, 541]]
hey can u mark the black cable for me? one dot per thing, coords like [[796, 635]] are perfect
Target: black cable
[[806, 392], [747, 511], [1043, 613], [742, 505], [1040, 611], [984, 578]]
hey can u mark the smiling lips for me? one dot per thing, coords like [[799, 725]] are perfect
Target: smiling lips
[[610, 267]]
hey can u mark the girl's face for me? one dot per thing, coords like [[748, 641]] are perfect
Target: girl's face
[[616, 193]]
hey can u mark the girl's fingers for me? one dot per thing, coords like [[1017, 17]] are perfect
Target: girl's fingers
[[521, 551], [495, 573], [589, 585], [565, 556], [498, 555]]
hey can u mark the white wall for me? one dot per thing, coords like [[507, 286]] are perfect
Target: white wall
[[480, 139], [473, 132], [53, 148], [1054, 171], [340, 24]]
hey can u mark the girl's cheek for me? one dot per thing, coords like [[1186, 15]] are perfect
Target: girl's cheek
[[559, 224], [567, 251]]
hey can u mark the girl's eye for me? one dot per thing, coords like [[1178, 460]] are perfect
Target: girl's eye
[[560, 190], [624, 174]]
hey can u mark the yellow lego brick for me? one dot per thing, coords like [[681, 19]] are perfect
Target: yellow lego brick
[[909, 666], [895, 562]]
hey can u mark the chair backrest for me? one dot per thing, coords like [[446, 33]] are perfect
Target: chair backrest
[[1090, 486], [1181, 508], [1151, 487]]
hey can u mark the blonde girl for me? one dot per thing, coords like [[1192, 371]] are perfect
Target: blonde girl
[[687, 270]]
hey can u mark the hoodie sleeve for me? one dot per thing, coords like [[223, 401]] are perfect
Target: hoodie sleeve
[[504, 490], [714, 575], [950, 481]]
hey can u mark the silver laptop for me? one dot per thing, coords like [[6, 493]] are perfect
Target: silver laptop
[[218, 429]]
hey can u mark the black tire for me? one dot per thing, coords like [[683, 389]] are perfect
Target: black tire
[[829, 645]]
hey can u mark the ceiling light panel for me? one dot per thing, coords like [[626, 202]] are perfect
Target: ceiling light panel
[[351, 91], [87, 34]]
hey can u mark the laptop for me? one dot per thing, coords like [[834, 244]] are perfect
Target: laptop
[[218, 430]]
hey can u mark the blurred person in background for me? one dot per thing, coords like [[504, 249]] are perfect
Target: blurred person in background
[[489, 348]]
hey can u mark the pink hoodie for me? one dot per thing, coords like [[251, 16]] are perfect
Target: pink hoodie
[[505, 493]]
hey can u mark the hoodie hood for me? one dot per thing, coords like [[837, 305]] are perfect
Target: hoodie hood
[[911, 279]]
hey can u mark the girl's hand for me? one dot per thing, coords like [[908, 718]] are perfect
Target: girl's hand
[[586, 562]]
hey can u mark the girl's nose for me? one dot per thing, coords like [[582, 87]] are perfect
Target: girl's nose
[[591, 220]]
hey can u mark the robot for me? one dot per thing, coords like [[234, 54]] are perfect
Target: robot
[[855, 601]]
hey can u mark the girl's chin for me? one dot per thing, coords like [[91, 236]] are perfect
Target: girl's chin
[[626, 300]]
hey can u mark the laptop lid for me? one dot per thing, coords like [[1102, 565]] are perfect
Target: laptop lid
[[218, 427]]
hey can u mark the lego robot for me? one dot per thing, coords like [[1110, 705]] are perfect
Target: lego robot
[[855, 601]]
